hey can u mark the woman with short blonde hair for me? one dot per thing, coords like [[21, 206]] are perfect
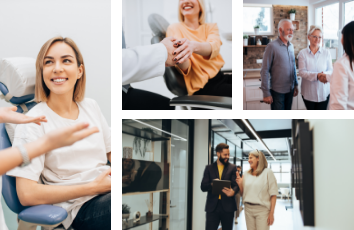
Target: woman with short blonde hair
[[315, 68], [259, 190], [197, 51]]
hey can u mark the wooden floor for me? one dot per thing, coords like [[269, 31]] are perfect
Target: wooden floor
[[283, 219]]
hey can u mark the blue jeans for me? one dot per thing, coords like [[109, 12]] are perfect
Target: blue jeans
[[282, 101], [94, 214]]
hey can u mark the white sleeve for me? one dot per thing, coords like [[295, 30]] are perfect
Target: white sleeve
[[339, 87], [272, 184], [105, 129], [24, 134], [303, 71], [143, 62]]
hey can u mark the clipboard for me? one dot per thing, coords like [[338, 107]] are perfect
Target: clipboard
[[219, 185]]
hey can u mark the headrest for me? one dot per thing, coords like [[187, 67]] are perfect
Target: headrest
[[17, 79], [158, 25]]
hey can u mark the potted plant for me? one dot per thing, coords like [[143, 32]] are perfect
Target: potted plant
[[256, 29], [125, 212], [137, 142], [245, 40], [292, 14]]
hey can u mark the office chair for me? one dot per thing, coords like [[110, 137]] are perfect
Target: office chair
[[21, 70], [175, 80]]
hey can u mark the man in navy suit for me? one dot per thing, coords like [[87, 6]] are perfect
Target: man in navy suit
[[220, 208]]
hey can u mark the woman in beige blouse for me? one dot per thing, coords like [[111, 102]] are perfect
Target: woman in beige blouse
[[259, 190]]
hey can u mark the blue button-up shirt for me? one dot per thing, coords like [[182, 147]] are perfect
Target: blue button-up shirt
[[278, 68]]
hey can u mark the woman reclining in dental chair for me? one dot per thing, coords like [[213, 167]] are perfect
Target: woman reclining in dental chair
[[76, 177], [198, 56]]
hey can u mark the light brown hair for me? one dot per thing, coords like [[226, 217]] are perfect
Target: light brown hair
[[41, 90], [262, 163], [201, 13]]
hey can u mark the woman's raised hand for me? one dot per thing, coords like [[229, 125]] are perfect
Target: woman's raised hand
[[68, 135], [9, 115], [184, 51], [238, 179]]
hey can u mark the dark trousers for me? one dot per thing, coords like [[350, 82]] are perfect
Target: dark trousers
[[219, 215], [137, 99], [282, 101], [220, 85], [310, 105], [94, 214]]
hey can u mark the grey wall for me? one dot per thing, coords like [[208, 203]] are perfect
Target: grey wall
[[200, 160], [27, 25]]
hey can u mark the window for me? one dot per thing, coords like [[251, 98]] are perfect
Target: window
[[261, 15], [329, 22], [349, 12], [281, 172]]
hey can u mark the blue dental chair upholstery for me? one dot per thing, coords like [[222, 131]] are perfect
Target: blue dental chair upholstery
[[47, 216], [175, 80]]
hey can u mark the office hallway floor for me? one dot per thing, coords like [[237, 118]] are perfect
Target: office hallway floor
[[283, 219]]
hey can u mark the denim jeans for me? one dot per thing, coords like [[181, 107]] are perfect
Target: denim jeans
[[94, 214], [282, 101]]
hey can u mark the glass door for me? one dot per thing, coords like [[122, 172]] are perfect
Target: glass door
[[179, 175], [349, 12]]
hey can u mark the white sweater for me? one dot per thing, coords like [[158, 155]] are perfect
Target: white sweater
[[259, 189]]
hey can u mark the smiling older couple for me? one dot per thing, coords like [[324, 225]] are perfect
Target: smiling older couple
[[278, 73]]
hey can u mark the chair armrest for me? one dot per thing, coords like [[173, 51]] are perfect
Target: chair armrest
[[43, 215], [201, 101]]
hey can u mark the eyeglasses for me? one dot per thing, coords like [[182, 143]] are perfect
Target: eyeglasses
[[315, 37]]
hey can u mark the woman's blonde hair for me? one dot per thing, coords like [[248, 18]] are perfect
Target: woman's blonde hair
[[41, 90], [313, 28], [201, 13], [262, 163]]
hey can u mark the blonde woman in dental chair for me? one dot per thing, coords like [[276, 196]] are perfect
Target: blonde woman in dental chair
[[11, 157], [198, 57], [77, 177]]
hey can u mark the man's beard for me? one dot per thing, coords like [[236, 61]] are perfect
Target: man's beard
[[222, 160], [286, 37]]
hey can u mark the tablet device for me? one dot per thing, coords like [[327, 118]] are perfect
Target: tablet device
[[219, 185]]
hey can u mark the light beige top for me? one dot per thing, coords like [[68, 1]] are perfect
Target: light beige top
[[259, 189]]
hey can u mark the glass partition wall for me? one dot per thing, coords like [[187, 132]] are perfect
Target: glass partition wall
[[156, 165]]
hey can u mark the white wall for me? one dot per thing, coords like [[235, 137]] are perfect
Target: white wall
[[27, 25], [137, 30], [200, 160], [279, 2], [333, 177]]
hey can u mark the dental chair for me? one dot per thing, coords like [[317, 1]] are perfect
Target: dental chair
[[175, 80], [17, 80]]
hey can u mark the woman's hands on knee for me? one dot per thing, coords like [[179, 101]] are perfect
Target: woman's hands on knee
[[102, 184], [184, 51], [9, 115]]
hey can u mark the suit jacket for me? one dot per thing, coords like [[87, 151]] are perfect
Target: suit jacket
[[211, 172], [142, 62]]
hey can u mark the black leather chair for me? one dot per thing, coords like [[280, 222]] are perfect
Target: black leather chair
[[175, 80]]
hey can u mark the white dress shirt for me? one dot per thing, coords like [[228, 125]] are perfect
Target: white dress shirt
[[309, 66], [342, 85], [143, 62]]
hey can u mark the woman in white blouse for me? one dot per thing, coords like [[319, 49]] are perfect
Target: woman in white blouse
[[342, 79], [259, 190], [315, 68]]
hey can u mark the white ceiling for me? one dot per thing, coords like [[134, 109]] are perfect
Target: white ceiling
[[270, 124]]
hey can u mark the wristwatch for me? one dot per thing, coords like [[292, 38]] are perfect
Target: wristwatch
[[24, 154]]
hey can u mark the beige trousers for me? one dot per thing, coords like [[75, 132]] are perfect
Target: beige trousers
[[237, 198], [256, 217]]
